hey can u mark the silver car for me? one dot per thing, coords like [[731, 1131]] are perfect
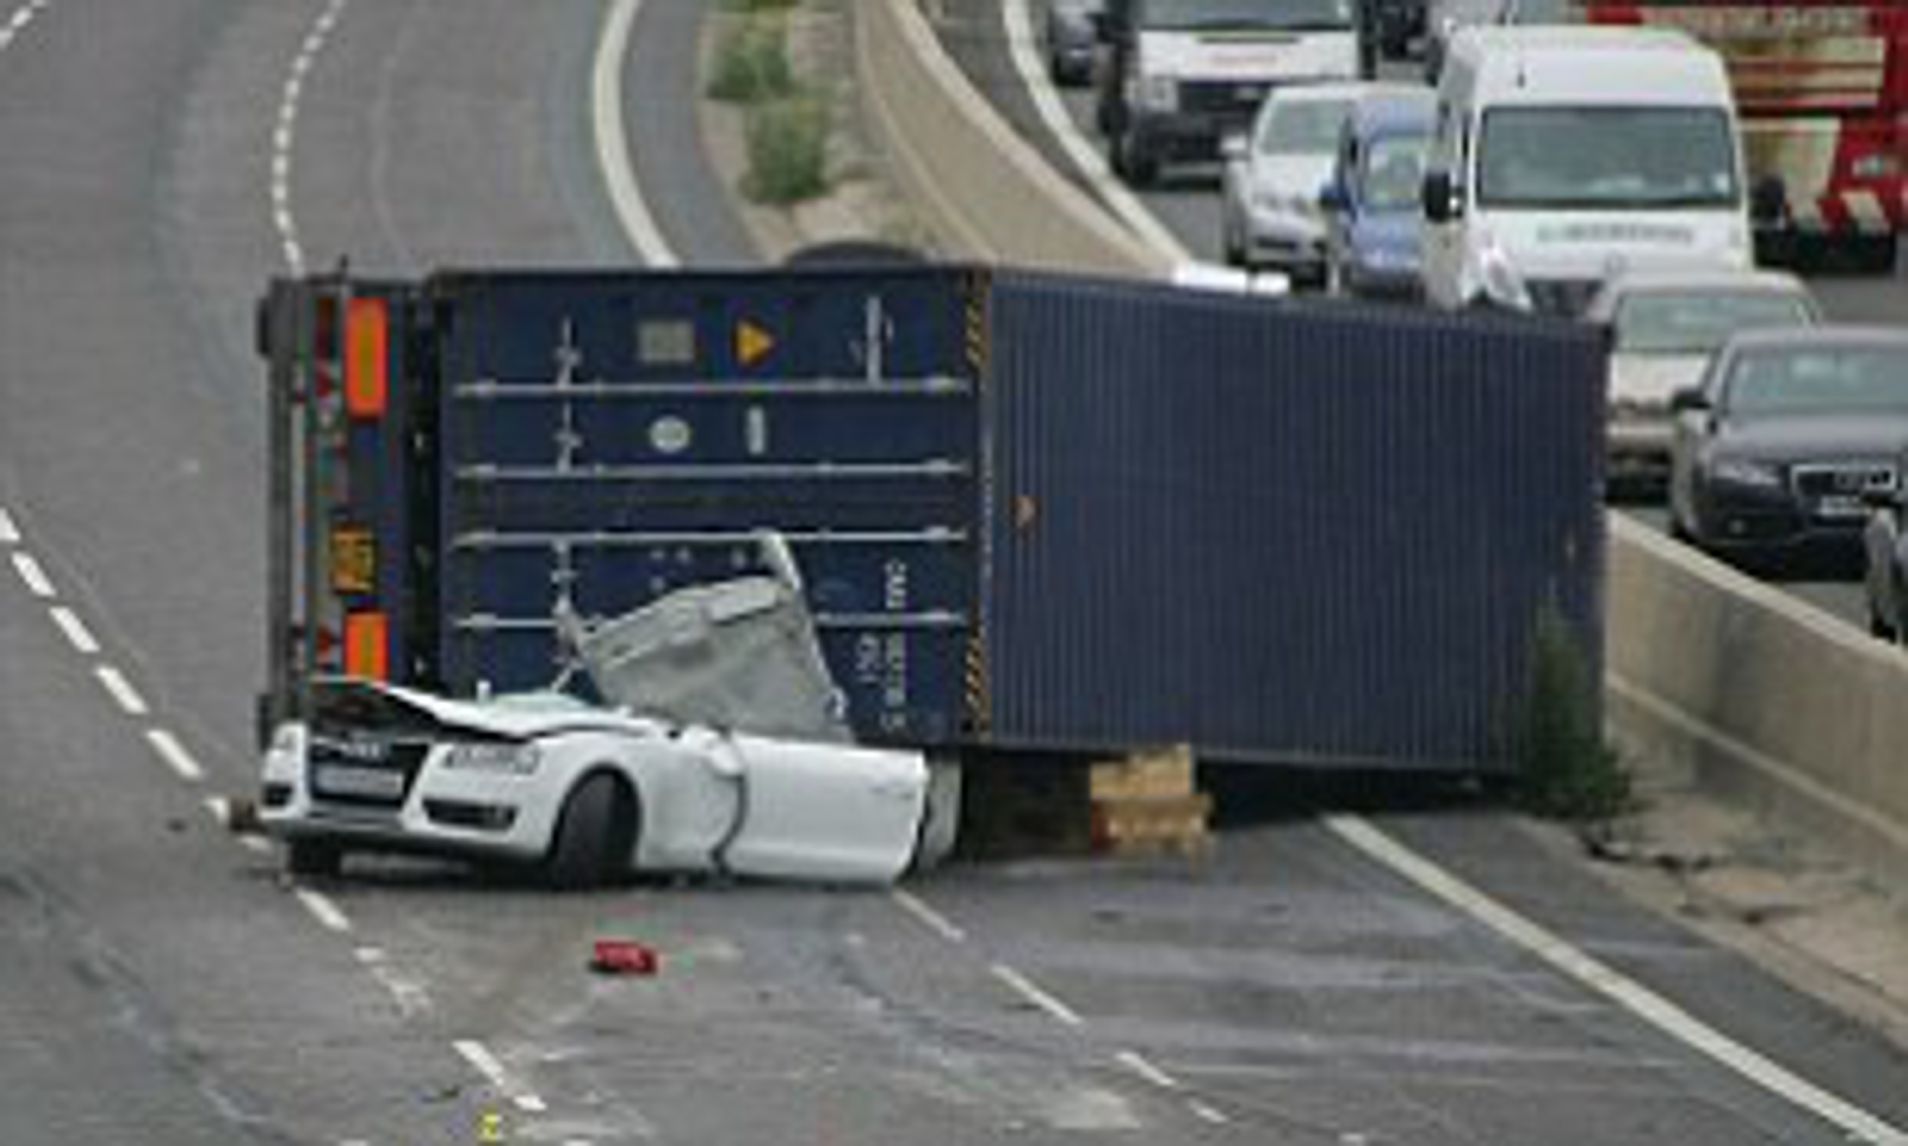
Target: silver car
[[1885, 543], [1665, 327], [1270, 211]]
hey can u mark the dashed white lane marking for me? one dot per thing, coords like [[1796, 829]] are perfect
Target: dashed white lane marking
[[1645, 1004], [934, 921], [175, 755], [1126, 207], [9, 532], [37, 582], [411, 998], [254, 842], [17, 23], [285, 133], [1033, 993], [323, 910], [1207, 1113], [75, 630], [486, 1064], [1140, 1065], [612, 139], [123, 693]]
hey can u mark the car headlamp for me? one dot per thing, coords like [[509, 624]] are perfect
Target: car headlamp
[[1743, 471], [493, 756]]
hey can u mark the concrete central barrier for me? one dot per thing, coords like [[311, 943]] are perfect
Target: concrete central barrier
[[1763, 698], [983, 190]]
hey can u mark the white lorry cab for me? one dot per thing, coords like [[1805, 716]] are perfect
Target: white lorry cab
[[1181, 75], [1563, 156]]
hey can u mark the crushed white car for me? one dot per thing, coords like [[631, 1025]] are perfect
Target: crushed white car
[[658, 779]]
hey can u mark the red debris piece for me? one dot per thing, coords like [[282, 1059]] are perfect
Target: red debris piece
[[624, 957]]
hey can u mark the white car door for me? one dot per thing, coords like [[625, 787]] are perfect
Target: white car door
[[827, 811]]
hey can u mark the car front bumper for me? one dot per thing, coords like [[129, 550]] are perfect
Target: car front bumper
[[442, 812]]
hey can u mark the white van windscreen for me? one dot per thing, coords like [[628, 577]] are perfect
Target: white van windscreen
[[1248, 15], [1607, 158]]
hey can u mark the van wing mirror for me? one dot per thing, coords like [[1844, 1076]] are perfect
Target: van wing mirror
[[1332, 198], [1439, 196]]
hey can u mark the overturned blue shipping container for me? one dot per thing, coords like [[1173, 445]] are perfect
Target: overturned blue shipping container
[[1032, 511]]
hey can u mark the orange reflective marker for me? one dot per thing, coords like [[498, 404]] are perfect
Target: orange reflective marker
[[367, 352], [367, 646], [753, 343]]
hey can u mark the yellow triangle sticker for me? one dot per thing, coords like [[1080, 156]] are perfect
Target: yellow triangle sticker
[[752, 343]]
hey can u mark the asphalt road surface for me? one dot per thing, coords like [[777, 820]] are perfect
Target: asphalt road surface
[[163, 984]]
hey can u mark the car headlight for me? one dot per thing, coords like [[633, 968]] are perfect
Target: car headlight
[[288, 740], [493, 756], [1158, 93], [1742, 471]]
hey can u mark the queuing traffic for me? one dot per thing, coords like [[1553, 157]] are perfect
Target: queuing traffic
[[1658, 170]]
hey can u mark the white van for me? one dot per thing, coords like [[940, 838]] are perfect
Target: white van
[[1563, 156]]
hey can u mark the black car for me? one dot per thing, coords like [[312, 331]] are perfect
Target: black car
[[1885, 543], [1792, 434]]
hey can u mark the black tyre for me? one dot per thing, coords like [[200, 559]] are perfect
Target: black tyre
[[594, 835], [1133, 163], [315, 858]]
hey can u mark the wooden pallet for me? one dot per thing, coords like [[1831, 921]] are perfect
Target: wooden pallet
[[1174, 825]]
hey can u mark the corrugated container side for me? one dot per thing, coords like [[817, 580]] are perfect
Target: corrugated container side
[[608, 438], [1303, 533]]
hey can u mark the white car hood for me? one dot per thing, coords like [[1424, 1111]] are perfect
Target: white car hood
[[1291, 176], [519, 717], [1650, 379], [1248, 57]]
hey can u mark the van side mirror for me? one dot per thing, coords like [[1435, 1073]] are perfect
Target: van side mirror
[[1440, 197], [1333, 199], [1688, 399], [1768, 201]]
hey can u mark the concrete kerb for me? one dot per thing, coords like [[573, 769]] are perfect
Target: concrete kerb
[[1758, 697], [984, 191]]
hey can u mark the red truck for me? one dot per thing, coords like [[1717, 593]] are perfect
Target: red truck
[[1822, 90]]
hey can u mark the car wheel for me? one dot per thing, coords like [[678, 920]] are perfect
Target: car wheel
[[1229, 239], [316, 858], [594, 835], [1132, 161]]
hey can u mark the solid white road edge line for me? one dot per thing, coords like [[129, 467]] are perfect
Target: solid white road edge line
[[174, 754], [36, 580], [323, 910], [9, 532], [1632, 996], [123, 693], [933, 920], [1207, 1113], [1017, 16], [1031, 991], [612, 140], [74, 629]]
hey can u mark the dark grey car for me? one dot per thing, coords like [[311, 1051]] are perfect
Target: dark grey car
[[1791, 435]]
